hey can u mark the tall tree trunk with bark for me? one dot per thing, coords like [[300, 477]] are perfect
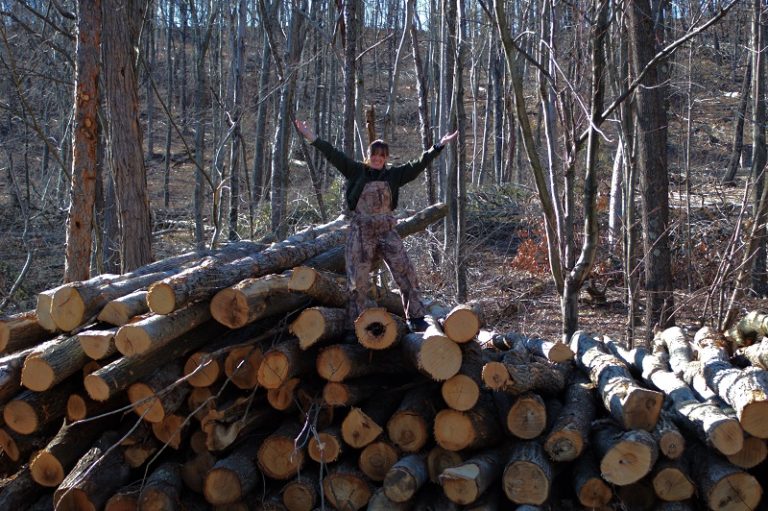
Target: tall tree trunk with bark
[[425, 125], [738, 132], [651, 122], [170, 69], [460, 200], [121, 28], [759, 285], [350, 76], [259, 161], [238, 63], [85, 141], [390, 114]]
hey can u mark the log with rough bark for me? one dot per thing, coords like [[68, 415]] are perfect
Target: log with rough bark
[[326, 445], [633, 406], [96, 476], [346, 487], [524, 415], [669, 438], [535, 376], [18, 490], [591, 490], [138, 444], [672, 481], [436, 357], [378, 329], [118, 375], [154, 332], [172, 430], [404, 479], [233, 477], [463, 322], [124, 499], [363, 425], [283, 362], [552, 351], [721, 485], [52, 362], [317, 325], [528, 474], [462, 390], [31, 411], [21, 331], [377, 458], [235, 419], [279, 457], [242, 303], [351, 392], [410, 425], [323, 287], [51, 464], [98, 344], [80, 406], [570, 431], [752, 327], [465, 483], [625, 456], [162, 489], [752, 454], [159, 395], [121, 310], [10, 374], [756, 354], [473, 429], [340, 362], [18, 447], [746, 390], [303, 493]]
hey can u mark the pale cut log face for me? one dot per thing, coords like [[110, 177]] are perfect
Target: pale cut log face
[[453, 430], [324, 448], [440, 358], [672, 485], [376, 459], [46, 470]]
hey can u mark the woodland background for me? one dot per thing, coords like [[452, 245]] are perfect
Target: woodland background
[[604, 171]]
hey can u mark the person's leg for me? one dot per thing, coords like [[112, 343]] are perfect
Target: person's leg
[[403, 272], [358, 256]]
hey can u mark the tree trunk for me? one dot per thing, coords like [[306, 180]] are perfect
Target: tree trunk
[[233, 477], [738, 132]]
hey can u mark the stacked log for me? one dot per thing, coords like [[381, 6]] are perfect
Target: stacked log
[[295, 409]]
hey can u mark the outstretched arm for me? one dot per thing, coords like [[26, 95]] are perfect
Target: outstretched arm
[[341, 161], [448, 137], [305, 131], [412, 169]]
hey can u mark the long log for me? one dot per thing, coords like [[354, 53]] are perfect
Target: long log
[[162, 489], [625, 456], [80, 406], [437, 357], [633, 406], [120, 311], [154, 332], [10, 374], [282, 362], [570, 431], [278, 455], [722, 485], [465, 483], [233, 477], [340, 362], [21, 331], [159, 395], [528, 474], [473, 429], [405, 477], [377, 458], [30, 411], [410, 425], [19, 447], [98, 344], [52, 362], [317, 325], [346, 487], [242, 303]]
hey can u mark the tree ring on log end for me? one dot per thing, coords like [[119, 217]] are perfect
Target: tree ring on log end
[[46, 470], [161, 299], [453, 430], [67, 308], [440, 358], [752, 419]]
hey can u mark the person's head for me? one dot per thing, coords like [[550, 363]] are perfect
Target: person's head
[[378, 153]]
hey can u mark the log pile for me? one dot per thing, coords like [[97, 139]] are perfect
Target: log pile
[[256, 394]]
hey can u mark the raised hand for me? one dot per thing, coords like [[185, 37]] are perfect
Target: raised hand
[[448, 137], [305, 130]]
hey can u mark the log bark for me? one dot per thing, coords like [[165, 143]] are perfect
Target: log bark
[[528, 474], [669, 438], [757, 354], [625, 456], [121, 310], [378, 329], [436, 357], [31, 411], [749, 329], [530, 377], [21, 331], [282, 362], [672, 481], [162, 489], [194, 470], [340, 362], [722, 485], [233, 477], [746, 390], [302, 494], [160, 395], [633, 406], [555, 352], [95, 477], [377, 458], [154, 332], [345, 487], [465, 483], [317, 325], [680, 353], [98, 344], [405, 478], [326, 446], [52, 362], [323, 287], [570, 432], [279, 457], [524, 416], [591, 490], [410, 425], [10, 374], [124, 499], [473, 429], [462, 390], [363, 425], [138, 444], [243, 303], [19, 447], [18, 490]]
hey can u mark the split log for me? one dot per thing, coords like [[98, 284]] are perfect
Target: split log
[[340, 362], [465, 483], [380, 502], [473, 429], [363, 425], [278, 455], [405, 477], [524, 416], [325, 446], [462, 390], [463, 322], [528, 474], [95, 477], [233, 477], [21, 331], [154, 332], [752, 454], [121, 310], [672, 481], [236, 419], [439, 459], [746, 390], [31, 411], [98, 344], [591, 489], [378, 329], [410, 425], [625, 456], [633, 406], [323, 287], [668, 437], [52, 362], [43, 310], [171, 431], [345, 487], [10, 374], [162, 489], [377, 458], [242, 303], [302, 494], [49, 465], [436, 357], [570, 431], [722, 485], [160, 395], [282, 362], [116, 376], [317, 325], [195, 469]]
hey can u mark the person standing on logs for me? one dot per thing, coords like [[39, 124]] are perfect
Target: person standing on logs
[[372, 190]]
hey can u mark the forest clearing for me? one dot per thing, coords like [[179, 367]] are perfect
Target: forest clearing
[[589, 241]]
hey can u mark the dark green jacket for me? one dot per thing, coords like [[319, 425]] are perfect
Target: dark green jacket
[[359, 174]]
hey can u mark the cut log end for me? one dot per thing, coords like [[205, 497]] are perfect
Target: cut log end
[[408, 431], [230, 308], [161, 298], [671, 485], [346, 492], [8, 446], [595, 493], [21, 417], [754, 419], [67, 309], [77, 408], [308, 327], [460, 392], [641, 409], [440, 358], [462, 325], [495, 375], [525, 483], [37, 374], [564, 445], [278, 458], [97, 388], [132, 340], [754, 452], [201, 372], [626, 463], [146, 406], [46, 470], [377, 329], [527, 417], [728, 437], [273, 371], [453, 430], [114, 314], [333, 365], [222, 487], [324, 448], [376, 459], [736, 491], [299, 497], [460, 486], [559, 352], [359, 430]]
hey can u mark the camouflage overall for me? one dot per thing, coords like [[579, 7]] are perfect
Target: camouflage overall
[[372, 236]]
